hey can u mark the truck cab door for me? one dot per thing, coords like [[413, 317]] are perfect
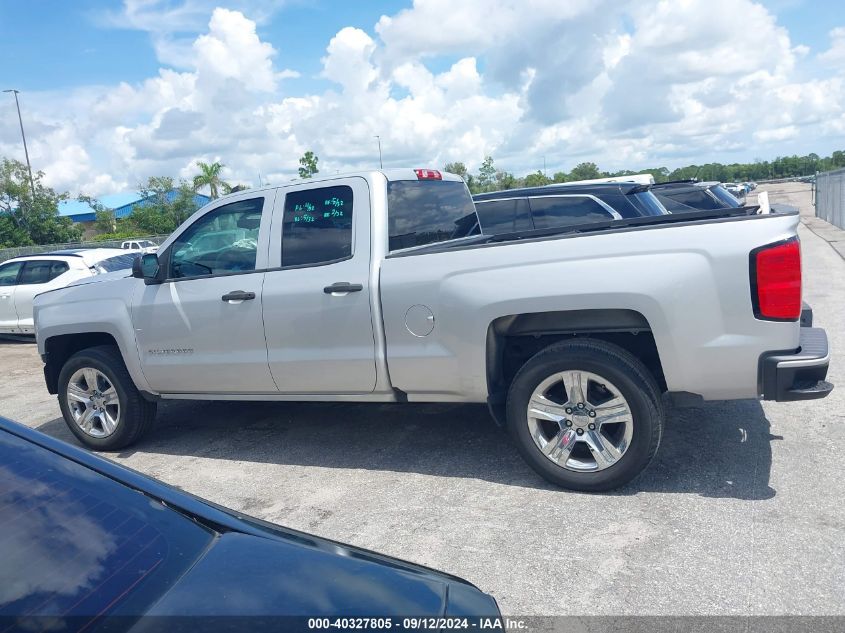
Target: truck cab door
[[317, 298], [8, 282], [201, 330]]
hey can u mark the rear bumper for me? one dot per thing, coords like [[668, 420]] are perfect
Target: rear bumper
[[797, 375], [806, 315]]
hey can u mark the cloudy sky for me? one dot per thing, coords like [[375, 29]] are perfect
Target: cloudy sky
[[115, 92]]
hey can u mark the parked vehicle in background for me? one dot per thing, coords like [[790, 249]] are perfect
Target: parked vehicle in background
[[142, 246], [737, 190], [376, 286], [566, 204], [22, 278], [690, 195], [86, 540]]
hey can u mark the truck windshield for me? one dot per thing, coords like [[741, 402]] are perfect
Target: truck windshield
[[428, 211]]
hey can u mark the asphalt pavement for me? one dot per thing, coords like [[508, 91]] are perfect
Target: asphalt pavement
[[741, 512]]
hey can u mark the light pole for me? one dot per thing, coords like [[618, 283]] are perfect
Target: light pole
[[380, 165], [25, 150]]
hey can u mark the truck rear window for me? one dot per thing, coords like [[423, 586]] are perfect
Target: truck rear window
[[428, 211]]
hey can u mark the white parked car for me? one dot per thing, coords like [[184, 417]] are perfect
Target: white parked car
[[24, 277], [140, 246]]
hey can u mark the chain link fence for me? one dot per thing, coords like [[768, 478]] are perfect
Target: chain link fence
[[830, 197], [19, 251]]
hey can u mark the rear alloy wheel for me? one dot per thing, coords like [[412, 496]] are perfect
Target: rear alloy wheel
[[580, 421], [585, 414]]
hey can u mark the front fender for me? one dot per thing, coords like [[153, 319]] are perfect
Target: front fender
[[79, 310]]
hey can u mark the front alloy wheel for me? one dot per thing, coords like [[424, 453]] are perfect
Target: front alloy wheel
[[93, 402], [101, 405]]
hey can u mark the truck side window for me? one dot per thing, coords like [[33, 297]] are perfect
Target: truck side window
[[423, 212], [224, 240], [317, 226], [503, 216], [549, 212]]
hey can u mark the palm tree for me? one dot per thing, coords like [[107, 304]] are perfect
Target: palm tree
[[210, 176]]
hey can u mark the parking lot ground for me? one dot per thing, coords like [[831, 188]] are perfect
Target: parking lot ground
[[740, 513]]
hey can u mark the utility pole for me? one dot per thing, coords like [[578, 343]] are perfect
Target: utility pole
[[25, 150], [380, 165], [544, 165]]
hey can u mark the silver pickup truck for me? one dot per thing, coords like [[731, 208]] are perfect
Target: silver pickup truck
[[378, 286]]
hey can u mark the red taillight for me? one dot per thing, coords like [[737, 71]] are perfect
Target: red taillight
[[776, 281], [428, 174]]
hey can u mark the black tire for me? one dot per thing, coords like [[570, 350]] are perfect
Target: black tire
[[136, 413], [629, 376]]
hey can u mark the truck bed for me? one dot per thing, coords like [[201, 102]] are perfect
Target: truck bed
[[685, 275]]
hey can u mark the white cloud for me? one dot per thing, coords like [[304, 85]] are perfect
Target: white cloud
[[835, 55], [171, 23], [622, 84], [232, 50]]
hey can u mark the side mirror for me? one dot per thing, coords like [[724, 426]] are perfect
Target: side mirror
[[146, 267]]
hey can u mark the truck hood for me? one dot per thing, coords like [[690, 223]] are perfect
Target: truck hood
[[102, 277], [116, 285]]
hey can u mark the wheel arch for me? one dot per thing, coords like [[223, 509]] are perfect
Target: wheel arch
[[513, 339], [60, 347]]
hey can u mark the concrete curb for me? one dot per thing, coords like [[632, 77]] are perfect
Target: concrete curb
[[828, 232]]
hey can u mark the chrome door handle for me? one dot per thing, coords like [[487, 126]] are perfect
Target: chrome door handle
[[342, 286], [239, 295]]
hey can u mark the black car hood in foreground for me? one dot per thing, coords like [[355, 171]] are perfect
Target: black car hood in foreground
[[83, 540]]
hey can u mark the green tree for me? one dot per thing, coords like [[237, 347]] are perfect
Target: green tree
[[160, 211], [209, 176], [27, 220], [104, 221], [459, 169], [537, 179], [11, 234], [585, 171], [486, 174], [506, 180], [308, 164]]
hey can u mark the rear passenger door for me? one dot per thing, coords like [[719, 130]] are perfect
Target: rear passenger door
[[317, 297], [37, 276]]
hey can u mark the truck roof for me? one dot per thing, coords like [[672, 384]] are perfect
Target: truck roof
[[392, 174]]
